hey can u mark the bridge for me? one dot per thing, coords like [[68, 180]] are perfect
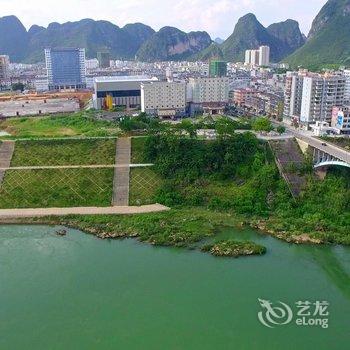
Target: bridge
[[324, 154]]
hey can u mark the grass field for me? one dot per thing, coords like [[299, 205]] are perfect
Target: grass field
[[144, 183], [138, 150], [64, 152], [56, 188], [76, 124]]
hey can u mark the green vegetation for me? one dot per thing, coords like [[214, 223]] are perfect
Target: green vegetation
[[281, 129], [322, 212], [177, 227], [219, 176], [262, 124], [56, 188], [329, 44], [77, 124], [144, 184], [64, 152], [343, 142], [232, 248], [138, 150]]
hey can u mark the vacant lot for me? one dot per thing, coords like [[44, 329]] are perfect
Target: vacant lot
[[56, 188], [64, 152], [76, 124]]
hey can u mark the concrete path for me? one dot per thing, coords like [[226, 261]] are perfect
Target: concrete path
[[6, 152], [95, 166], [41, 212], [122, 172]]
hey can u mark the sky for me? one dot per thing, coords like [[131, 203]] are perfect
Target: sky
[[217, 17]]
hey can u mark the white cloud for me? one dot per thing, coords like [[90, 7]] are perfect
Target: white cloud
[[218, 17]]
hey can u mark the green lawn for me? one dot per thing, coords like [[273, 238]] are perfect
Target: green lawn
[[56, 188], [76, 124], [138, 150], [144, 183], [64, 152]]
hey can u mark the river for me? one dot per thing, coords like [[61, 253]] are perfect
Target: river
[[80, 292]]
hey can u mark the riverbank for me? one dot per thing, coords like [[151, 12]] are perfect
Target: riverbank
[[185, 227]]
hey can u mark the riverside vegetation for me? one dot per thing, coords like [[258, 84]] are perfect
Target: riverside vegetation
[[229, 181]]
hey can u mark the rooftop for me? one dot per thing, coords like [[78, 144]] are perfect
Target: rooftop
[[124, 78]]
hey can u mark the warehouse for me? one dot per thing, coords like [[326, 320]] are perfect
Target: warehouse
[[124, 91]]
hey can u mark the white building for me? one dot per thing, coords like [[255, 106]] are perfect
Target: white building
[[293, 95], [320, 94], [208, 90], [259, 57], [248, 56], [92, 64], [211, 94], [264, 55], [164, 99], [4, 67], [41, 83], [347, 86]]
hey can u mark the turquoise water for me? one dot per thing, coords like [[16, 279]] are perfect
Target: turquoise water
[[79, 292]]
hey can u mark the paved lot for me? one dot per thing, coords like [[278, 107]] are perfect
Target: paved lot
[[37, 107]]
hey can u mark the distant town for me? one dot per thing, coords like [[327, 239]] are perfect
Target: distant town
[[316, 101]]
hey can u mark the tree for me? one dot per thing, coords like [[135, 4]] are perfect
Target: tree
[[17, 87], [262, 124], [281, 129]]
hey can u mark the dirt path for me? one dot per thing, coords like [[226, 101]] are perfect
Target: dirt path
[[122, 172], [40, 212]]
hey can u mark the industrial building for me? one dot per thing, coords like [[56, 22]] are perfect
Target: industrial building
[[164, 99], [122, 91], [66, 68]]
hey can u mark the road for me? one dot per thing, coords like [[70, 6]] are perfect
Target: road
[[324, 146], [42, 212]]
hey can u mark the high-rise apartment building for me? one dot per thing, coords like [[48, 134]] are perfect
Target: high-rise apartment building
[[104, 58], [217, 68], [247, 59], [66, 68], [320, 94], [4, 67], [259, 57], [264, 55], [293, 95], [346, 74]]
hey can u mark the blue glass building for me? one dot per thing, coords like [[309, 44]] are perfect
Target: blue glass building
[[66, 68]]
